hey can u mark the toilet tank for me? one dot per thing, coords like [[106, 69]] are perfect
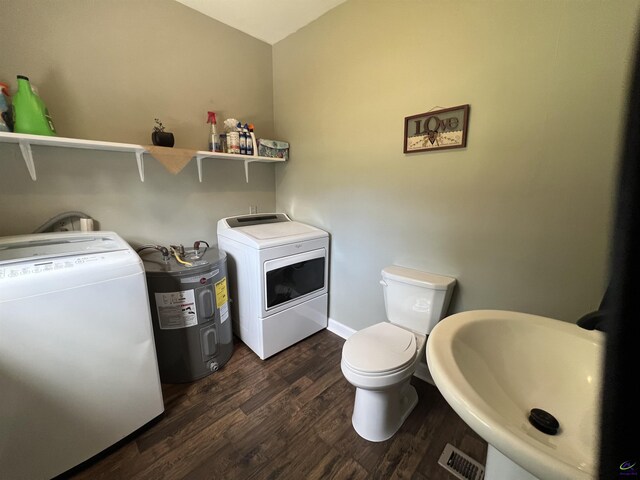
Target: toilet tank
[[415, 300]]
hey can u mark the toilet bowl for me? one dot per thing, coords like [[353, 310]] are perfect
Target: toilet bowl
[[381, 359], [384, 396]]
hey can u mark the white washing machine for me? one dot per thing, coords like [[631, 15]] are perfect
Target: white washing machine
[[78, 368], [279, 272]]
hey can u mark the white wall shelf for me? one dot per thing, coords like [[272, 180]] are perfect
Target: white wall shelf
[[200, 155], [25, 141]]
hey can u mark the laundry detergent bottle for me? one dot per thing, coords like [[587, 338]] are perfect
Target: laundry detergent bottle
[[30, 113]]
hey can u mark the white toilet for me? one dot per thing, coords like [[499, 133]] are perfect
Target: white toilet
[[380, 360]]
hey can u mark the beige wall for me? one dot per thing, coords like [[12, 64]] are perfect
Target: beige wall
[[521, 216], [106, 70]]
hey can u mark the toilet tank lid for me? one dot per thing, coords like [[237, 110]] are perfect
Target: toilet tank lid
[[417, 277]]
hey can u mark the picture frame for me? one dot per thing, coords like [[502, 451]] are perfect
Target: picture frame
[[440, 129]]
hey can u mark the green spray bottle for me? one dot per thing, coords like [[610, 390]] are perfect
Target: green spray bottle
[[30, 113]]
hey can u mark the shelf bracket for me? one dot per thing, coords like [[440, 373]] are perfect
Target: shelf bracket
[[200, 156], [199, 162], [246, 169], [140, 160], [27, 155]]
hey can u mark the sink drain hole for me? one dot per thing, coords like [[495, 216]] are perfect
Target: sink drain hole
[[543, 421]]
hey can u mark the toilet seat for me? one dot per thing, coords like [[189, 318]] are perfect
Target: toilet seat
[[381, 349]]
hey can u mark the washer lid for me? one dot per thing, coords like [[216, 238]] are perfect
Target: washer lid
[[41, 246], [379, 348], [267, 230]]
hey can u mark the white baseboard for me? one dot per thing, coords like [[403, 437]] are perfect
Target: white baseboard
[[340, 329]]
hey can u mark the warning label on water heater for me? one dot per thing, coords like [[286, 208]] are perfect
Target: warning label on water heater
[[222, 299], [176, 309]]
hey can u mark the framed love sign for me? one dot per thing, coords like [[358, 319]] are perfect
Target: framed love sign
[[436, 130]]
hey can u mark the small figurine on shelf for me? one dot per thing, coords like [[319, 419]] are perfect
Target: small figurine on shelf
[[161, 138]]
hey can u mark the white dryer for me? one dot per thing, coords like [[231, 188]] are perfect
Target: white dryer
[[278, 270], [78, 368]]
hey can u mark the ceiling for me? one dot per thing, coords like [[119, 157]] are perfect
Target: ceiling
[[266, 20]]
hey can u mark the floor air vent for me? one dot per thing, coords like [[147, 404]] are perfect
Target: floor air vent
[[460, 464]]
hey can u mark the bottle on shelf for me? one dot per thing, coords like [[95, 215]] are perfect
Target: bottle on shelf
[[233, 141], [30, 112], [5, 121], [223, 143], [214, 141], [252, 139], [249, 140], [243, 139]]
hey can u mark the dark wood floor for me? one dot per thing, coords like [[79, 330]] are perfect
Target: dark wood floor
[[286, 417]]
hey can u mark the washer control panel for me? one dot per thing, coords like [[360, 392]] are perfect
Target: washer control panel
[[58, 264], [12, 271]]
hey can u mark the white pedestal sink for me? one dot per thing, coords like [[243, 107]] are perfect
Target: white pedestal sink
[[493, 367]]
